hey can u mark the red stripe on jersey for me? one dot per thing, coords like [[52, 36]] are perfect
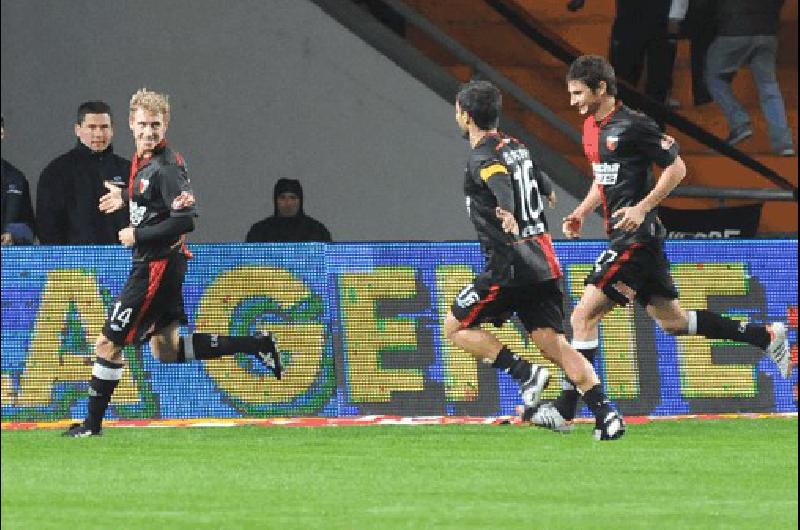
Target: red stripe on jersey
[[493, 290], [157, 268], [591, 147], [546, 244], [134, 169], [606, 220], [591, 140], [185, 249], [617, 264]]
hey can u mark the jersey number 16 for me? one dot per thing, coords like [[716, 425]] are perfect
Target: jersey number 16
[[531, 206]]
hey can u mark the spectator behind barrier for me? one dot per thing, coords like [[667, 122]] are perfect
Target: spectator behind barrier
[[289, 222], [17, 210], [694, 19], [747, 35], [639, 38], [70, 187]]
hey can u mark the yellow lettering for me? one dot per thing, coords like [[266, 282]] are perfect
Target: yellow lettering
[[367, 336], [461, 368], [304, 341], [618, 334], [45, 364], [700, 377]]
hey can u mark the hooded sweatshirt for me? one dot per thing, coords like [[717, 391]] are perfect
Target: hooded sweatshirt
[[298, 228]]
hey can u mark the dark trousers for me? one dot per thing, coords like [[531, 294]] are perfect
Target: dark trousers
[[635, 45]]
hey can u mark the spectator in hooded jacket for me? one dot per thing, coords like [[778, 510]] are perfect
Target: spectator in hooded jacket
[[289, 223], [69, 189], [17, 211]]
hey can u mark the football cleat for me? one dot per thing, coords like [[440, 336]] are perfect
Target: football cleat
[[610, 427], [79, 430], [532, 389], [778, 348], [269, 355], [547, 416]]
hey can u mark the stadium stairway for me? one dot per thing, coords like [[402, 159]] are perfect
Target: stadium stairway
[[482, 30]]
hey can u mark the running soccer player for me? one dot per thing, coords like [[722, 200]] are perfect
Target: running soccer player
[[621, 145], [505, 191], [162, 212]]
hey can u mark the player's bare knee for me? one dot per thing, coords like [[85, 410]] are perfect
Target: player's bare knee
[[673, 327], [106, 349], [582, 323], [163, 350], [451, 327], [547, 340]]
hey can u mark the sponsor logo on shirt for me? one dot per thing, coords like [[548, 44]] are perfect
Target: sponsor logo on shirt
[[605, 173], [143, 184], [12, 188], [612, 142], [183, 201], [137, 213]]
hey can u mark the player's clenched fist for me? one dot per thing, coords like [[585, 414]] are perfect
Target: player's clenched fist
[[510, 225], [127, 237], [571, 226]]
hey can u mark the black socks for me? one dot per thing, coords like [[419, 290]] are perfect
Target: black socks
[[567, 402], [715, 326], [105, 378], [210, 346], [517, 367], [597, 401]]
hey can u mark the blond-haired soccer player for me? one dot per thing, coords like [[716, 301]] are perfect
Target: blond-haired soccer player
[[162, 212]]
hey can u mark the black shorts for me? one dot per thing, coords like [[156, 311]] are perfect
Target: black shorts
[[151, 299], [539, 305], [639, 271]]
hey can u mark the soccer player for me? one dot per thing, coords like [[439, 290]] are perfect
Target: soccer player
[[162, 211], [621, 145], [505, 191]]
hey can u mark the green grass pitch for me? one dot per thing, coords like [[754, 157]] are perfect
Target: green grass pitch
[[676, 474]]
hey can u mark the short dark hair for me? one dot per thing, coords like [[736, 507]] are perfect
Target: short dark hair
[[591, 70], [93, 107], [482, 101]]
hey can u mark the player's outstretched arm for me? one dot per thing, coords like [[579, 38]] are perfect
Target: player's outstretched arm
[[630, 217]]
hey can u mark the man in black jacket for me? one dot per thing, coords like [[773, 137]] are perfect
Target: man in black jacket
[[17, 217], [289, 223], [70, 187], [747, 35]]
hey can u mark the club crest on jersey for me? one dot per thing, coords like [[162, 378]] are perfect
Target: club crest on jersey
[[612, 142], [143, 184], [183, 201]]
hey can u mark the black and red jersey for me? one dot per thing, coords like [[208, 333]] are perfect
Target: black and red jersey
[[159, 188], [510, 260], [621, 150]]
